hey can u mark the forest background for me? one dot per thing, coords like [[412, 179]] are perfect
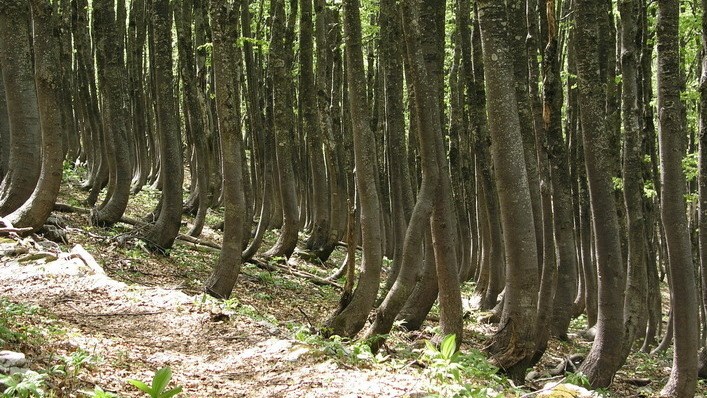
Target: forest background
[[549, 152]]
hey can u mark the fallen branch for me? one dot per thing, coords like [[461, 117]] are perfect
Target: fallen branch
[[66, 208], [200, 242], [302, 274], [10, 229]]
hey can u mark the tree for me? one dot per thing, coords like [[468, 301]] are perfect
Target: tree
[[21, 97], [162, 233], [636, 298], [513, 344], [604, 358], [224, 21], [682, 381], [111, 87], [283, 122], [35, 211], [353, 317]]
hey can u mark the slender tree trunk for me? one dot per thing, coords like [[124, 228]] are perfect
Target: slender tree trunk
[[410, 265], [352, 319], [280, 63], [112, 83], [35, 211], [513, 345], [183, 22], [21, 96], [682, 381], [702, 184], [566, 289], [224, 19], [604, 359], [161, 235], [636, 292]]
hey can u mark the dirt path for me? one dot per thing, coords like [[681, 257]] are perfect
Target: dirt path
[[135, 330]]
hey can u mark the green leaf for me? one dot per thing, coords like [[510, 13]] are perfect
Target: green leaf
[[171, 393], [141, 386], [161, 379], [449, 346]]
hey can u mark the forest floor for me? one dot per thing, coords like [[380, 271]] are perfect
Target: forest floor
[[132, 313]]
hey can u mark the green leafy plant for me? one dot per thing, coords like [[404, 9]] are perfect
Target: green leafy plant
[[98, 393], [350, 352], [23, 385], [578, 379], [11, 330], [456, 374], [158, 387]]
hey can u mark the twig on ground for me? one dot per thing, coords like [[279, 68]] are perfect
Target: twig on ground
[[109, 314], [302, 274]]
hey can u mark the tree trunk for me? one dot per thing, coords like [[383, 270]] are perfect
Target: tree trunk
[[35, 211], [111, 84], [280, 64], [682, 381], [513, 344], [161, 235], [566, 287], [636, 285], [604, 358], [224, 19], [21, 96], [352, 319]]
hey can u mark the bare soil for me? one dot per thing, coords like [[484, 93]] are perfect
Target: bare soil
[[134, 329]]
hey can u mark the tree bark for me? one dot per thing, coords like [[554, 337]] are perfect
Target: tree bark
[[280, 64], [160, 236], [636, 285], [21, 96], [111, 86], [604, 358], [35, 211], [224, 19], [513, 345], [683, 377]]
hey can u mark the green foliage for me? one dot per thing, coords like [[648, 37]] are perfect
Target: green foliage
[[98, 393], [690, 166], [10, 329], [23, 385], [158, 387], [71, 365], [355, 352], [578, 379], [456, 374]]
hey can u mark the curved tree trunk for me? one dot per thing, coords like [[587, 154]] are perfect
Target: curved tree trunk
[[410, 265], [194, 115], [35, 211], [513, 344], [224, 19], [111, 86], [604, 359], [683, 377], [21, 96], [160, 236], [280, 64], [635, 306], [566, 289], [352, 319]]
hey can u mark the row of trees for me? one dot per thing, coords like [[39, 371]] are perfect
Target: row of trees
[[512, 144]]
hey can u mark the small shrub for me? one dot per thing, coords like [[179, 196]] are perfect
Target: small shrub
[[158, 387], [23, 385]]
